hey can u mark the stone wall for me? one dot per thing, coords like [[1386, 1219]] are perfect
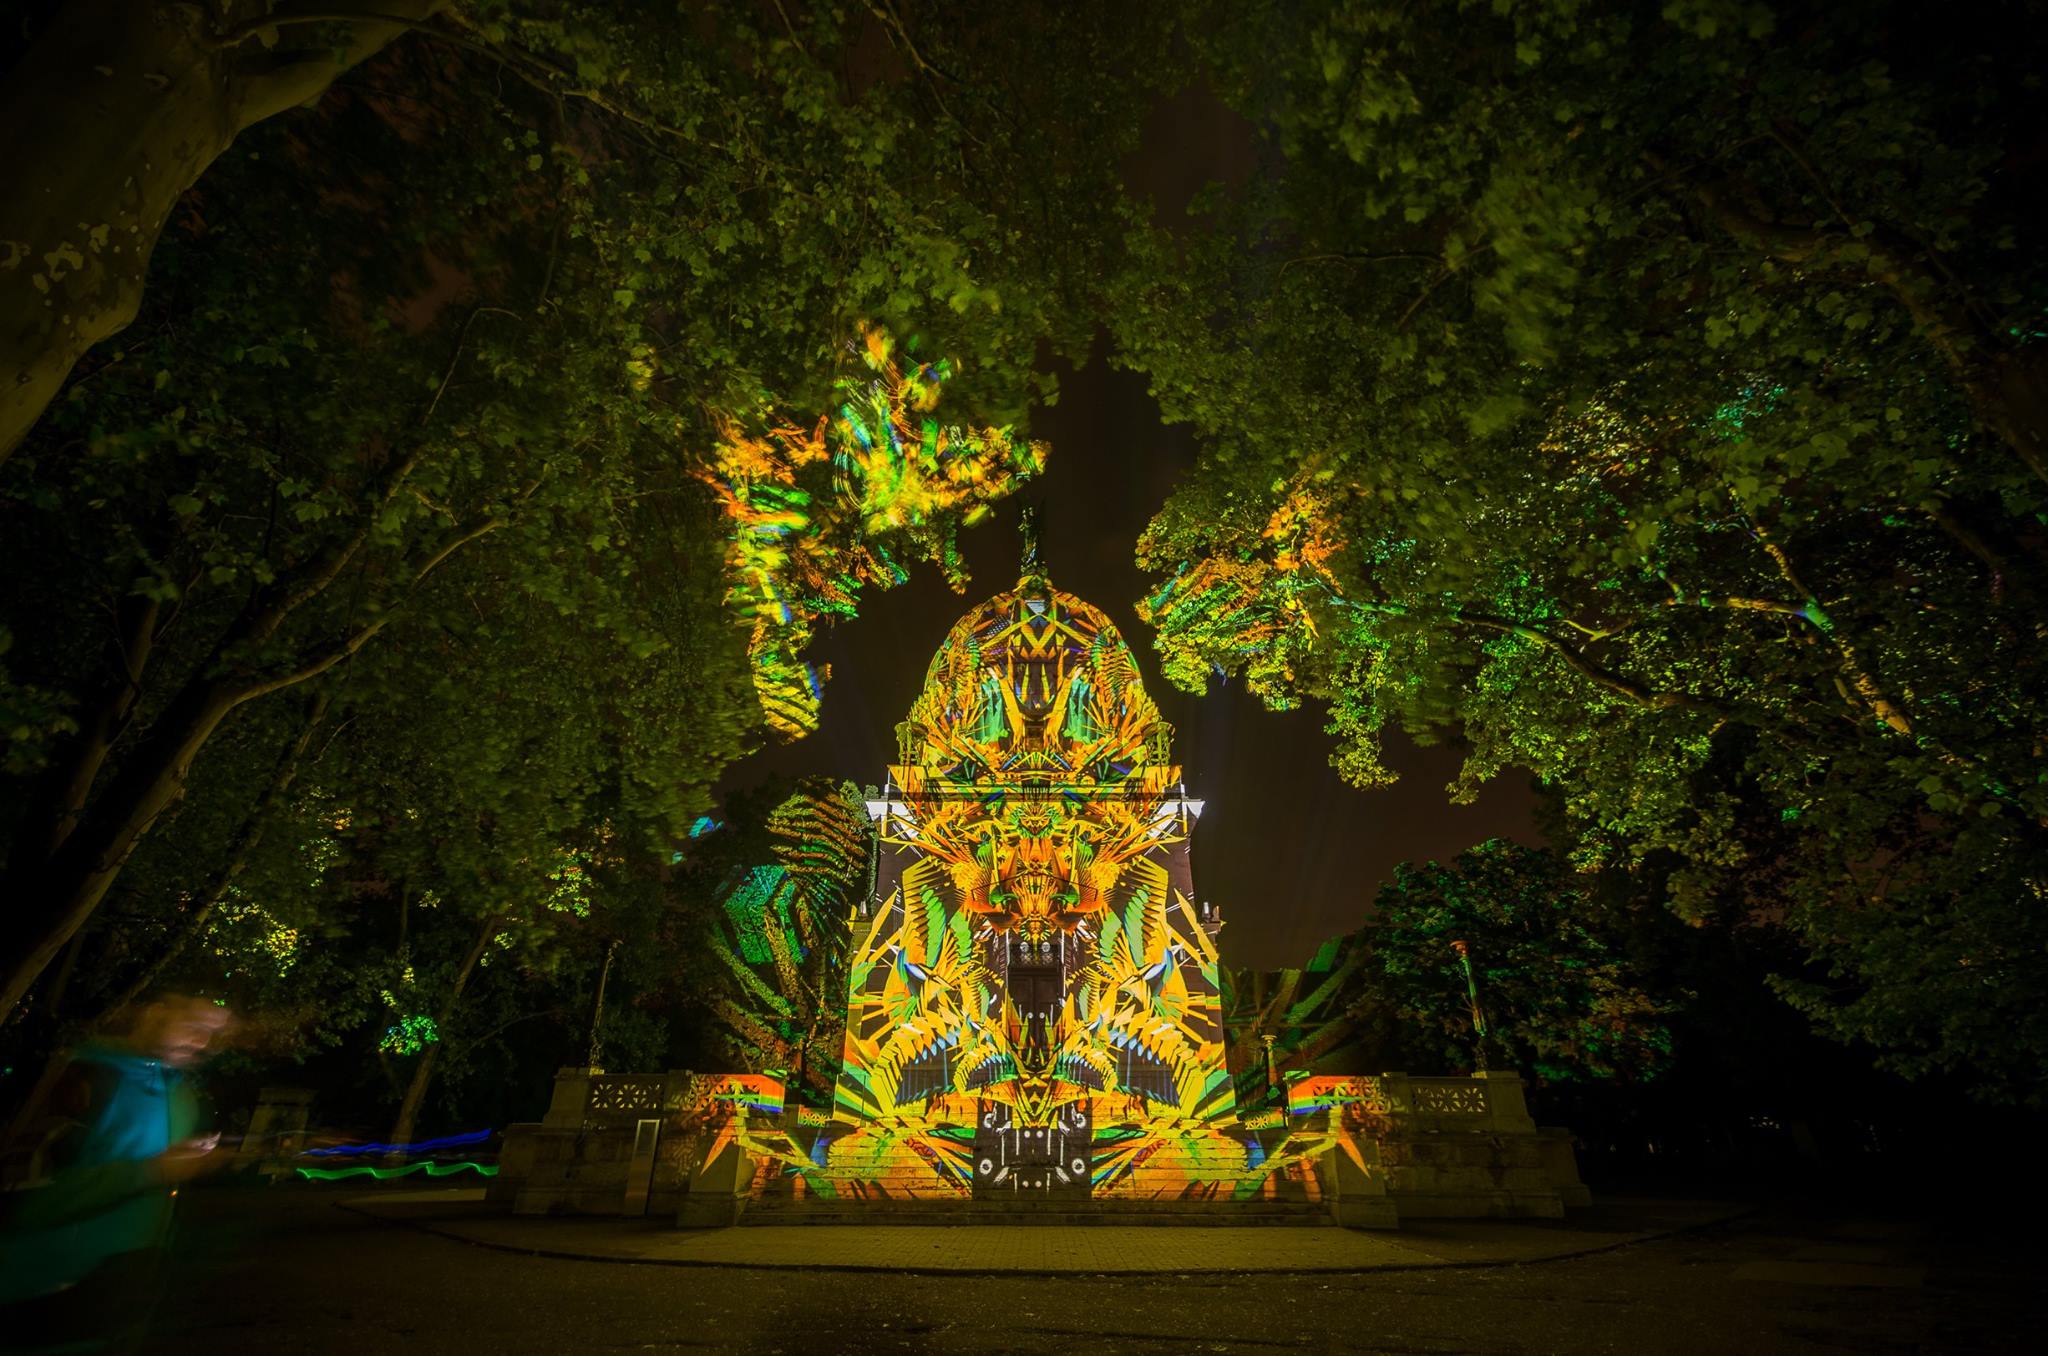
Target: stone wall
[[1372, 1151], [1445, 1147], [579, 1158]]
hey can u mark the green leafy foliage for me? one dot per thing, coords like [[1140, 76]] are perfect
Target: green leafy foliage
[[1562, 998], [1551, 979], [414, 414], [1650, 395]]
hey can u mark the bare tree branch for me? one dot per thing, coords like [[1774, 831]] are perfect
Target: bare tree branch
[[270, 83]]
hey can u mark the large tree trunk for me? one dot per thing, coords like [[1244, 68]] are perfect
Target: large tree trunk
[[115, 110], [423, 1072], [58, 894], [409, 1106]]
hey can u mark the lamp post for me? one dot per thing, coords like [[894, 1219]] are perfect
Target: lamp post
[[1472, 997], [1272, 1078], [597, 1008]]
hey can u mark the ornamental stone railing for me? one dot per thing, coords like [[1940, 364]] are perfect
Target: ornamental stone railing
[[1490, 1100], [1395, 1146], [634, 1143], [1441, 1146], [615, 1098], [1447, 1097]]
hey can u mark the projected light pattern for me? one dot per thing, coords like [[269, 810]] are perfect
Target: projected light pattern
[[818, 512], [1308, 1014], [1260, 608], [1033, 996], [781, 939]]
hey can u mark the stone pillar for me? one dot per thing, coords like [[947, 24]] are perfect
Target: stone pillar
[[517, 1153], [1349, 1173], [718, 1186], [1355, 1187], [1561, 1164], [277, 1129], [571, 1098], [1507, 1110]]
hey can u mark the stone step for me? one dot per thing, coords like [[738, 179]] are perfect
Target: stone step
[[817, 1210]]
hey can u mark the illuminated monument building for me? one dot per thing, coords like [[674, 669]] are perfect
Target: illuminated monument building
[[1033, 1009], [1033, 1001], [1032, 998]]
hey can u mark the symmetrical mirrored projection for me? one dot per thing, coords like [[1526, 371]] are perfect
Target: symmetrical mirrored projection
[[1033, 1003]]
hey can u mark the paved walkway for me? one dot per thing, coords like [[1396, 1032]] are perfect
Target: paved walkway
[[1096, 1249]]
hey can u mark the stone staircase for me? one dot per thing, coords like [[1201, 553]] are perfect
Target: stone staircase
[[1355, 1151], [882, 1183], [1022, 1210]]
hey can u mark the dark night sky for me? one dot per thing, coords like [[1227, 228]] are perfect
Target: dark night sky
[[1290, 853]]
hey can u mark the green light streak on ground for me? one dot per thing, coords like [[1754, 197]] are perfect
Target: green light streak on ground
[[385, 1174]]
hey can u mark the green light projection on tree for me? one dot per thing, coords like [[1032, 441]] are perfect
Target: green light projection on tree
[[410, 1035], [819, 512]]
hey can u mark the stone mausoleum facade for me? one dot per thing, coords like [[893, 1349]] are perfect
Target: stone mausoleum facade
[[1033, 1009]]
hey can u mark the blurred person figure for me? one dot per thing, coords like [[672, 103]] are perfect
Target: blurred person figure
[[82, 1240]]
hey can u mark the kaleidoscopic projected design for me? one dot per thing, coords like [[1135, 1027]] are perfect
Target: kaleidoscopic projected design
[[1260, 608], [1033, 998], [820, 512]]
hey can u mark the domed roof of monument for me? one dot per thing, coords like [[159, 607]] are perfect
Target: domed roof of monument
[[1035, 681]]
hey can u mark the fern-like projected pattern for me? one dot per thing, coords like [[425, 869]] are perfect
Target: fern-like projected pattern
[[1032, 971], [821, 510]]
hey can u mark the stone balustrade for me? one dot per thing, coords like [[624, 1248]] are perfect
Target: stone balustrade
[[1444, 1147], [1386, 1147], [579, 1158]]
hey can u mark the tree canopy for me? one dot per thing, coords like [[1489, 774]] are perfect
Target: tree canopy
[[428, 412], [441, 429], [1501, 958], [1651, 396]]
